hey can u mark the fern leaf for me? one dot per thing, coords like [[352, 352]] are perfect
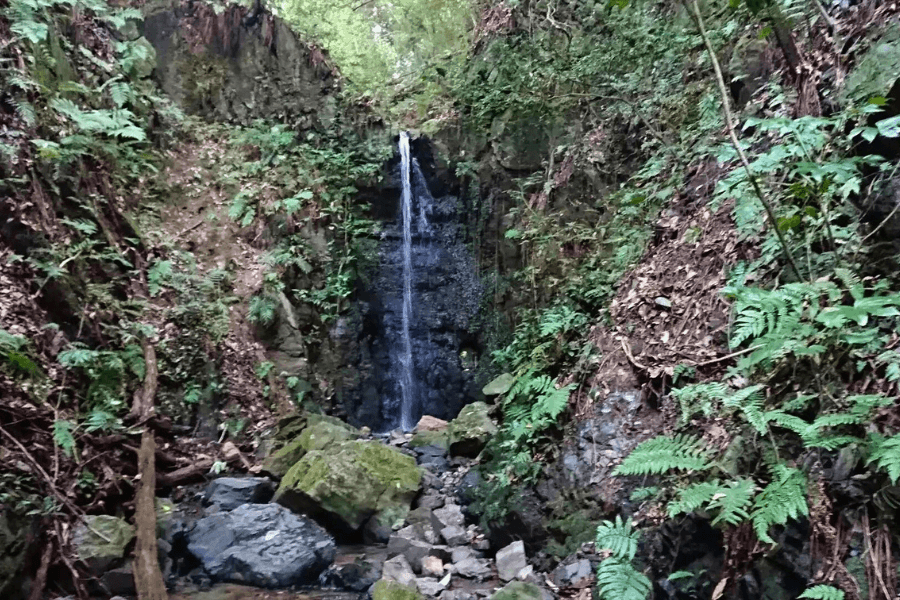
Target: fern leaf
[[886, 455], [693, 497], [661, 454], [62, 436], [732, 502], [618, 580], [618, 537], [784, 498], [822, 592]]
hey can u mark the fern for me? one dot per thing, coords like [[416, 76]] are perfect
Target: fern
[[62, 436], [784, 498], [822, 592], [885, 453], [618, 537], [662, 454], [618, 580], [262, 310], [730, 500], [693, 497]]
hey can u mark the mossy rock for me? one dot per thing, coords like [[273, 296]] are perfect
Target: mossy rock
[[346, 483], [386, 589], [165, 517], [471, 430], [518, 590], [98, 553], [13, 551], [430, 438], [320, 432]]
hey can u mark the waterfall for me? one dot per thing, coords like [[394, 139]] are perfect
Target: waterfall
[[407, 408]]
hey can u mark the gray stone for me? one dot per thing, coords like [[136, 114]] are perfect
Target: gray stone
[[573, 573], [470, 431], [462, 553], [511, 560], [430, 501], [97, 553], [432, 566], [429, 587], [261, 544], [457, 595], [454, 535], [239, 72], [473, 568], [450, 515], [227, 493], [357, 576], [398, 569], [120, 581]]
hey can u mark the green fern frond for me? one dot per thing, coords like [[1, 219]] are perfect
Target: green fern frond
[[618, 580], [618, 537], [661, 454], [885, 454], [693, 497], [784, 498], [62, 436], [732, 501], [26, 112], [822, 592]]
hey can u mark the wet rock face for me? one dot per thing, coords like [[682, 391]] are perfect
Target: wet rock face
[[445, 299], [238, 67]]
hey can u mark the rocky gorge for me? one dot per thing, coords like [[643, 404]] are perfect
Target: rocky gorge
[[520, 321], [391, 521]]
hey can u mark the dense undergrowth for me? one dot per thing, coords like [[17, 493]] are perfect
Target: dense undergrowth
[[814, 379], [92, 269], [619, 104]]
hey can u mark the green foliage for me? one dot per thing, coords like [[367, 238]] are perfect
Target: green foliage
[[822, 592], [730, 500], [62, 436], [885, 453], [784, 498], [261, 310], [14, 354], [618, 537], [618, 580], [662, 454]]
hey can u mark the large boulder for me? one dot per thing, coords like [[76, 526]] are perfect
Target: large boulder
[[261, 544], [346, 484], [471, 430], [320, 432], [103, 551], [227, 493]]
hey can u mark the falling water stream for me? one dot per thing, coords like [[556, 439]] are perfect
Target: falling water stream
[[406, 359]]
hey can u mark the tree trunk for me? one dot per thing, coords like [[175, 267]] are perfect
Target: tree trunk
[[148, 578]]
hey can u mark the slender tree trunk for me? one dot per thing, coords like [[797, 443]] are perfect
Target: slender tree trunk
[[148, 578], [729, 122]]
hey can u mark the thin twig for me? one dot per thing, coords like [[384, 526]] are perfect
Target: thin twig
[[729, 122], [727, 356], [631, 356], [53, 490]]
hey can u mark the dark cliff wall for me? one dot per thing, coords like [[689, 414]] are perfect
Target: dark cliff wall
[[237, 66]]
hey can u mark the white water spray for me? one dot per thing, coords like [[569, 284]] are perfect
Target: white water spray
[[406, 358]]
